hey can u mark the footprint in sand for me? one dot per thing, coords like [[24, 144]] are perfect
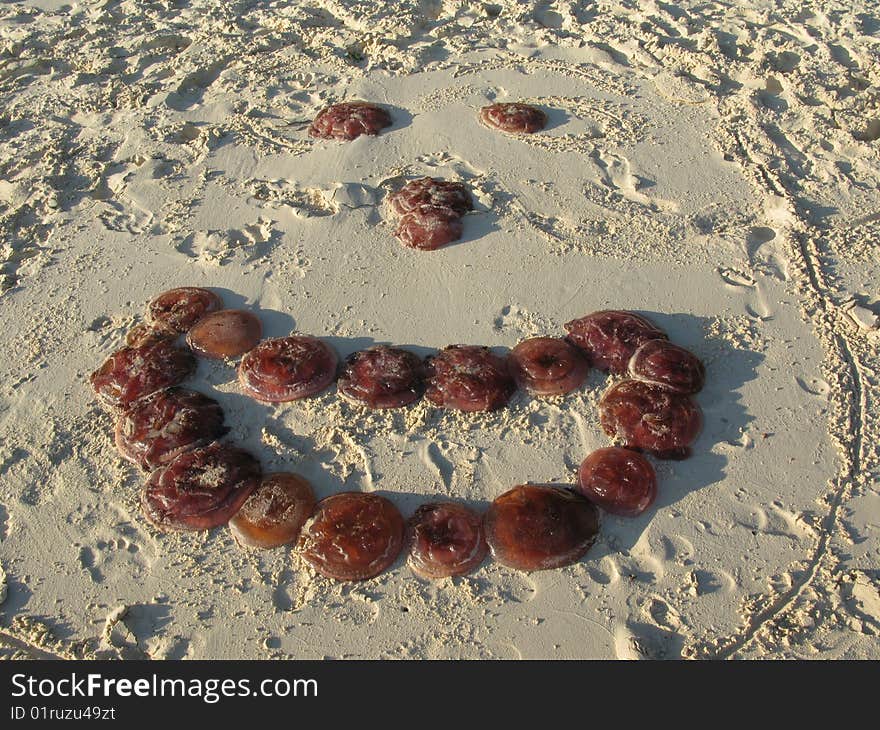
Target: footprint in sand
[[616, 173], [681, 89], [219, 247]]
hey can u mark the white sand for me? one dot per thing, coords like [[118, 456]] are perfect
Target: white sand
[[713, 166]]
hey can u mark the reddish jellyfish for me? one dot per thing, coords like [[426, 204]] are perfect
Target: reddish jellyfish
[[225, 334], [548, 366], [432, 192], [133, 372], [382, 377], [147, 334], [669, 366], [513, 117], [200, 489], [611, 337], [445, 539], [179, 309], [274, 513], [645, 416], [620, 481], [538, 527], [431, 211], [429, 227], [287, 368], [156, 428], [352, 536], [349, 120], [468, 378]]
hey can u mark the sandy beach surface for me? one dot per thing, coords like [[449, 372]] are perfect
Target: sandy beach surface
[[713, 165]]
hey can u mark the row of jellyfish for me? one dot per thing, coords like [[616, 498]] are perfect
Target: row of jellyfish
[[197, 481]]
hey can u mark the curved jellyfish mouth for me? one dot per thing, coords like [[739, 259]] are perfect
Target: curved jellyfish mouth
[[356, 536]]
